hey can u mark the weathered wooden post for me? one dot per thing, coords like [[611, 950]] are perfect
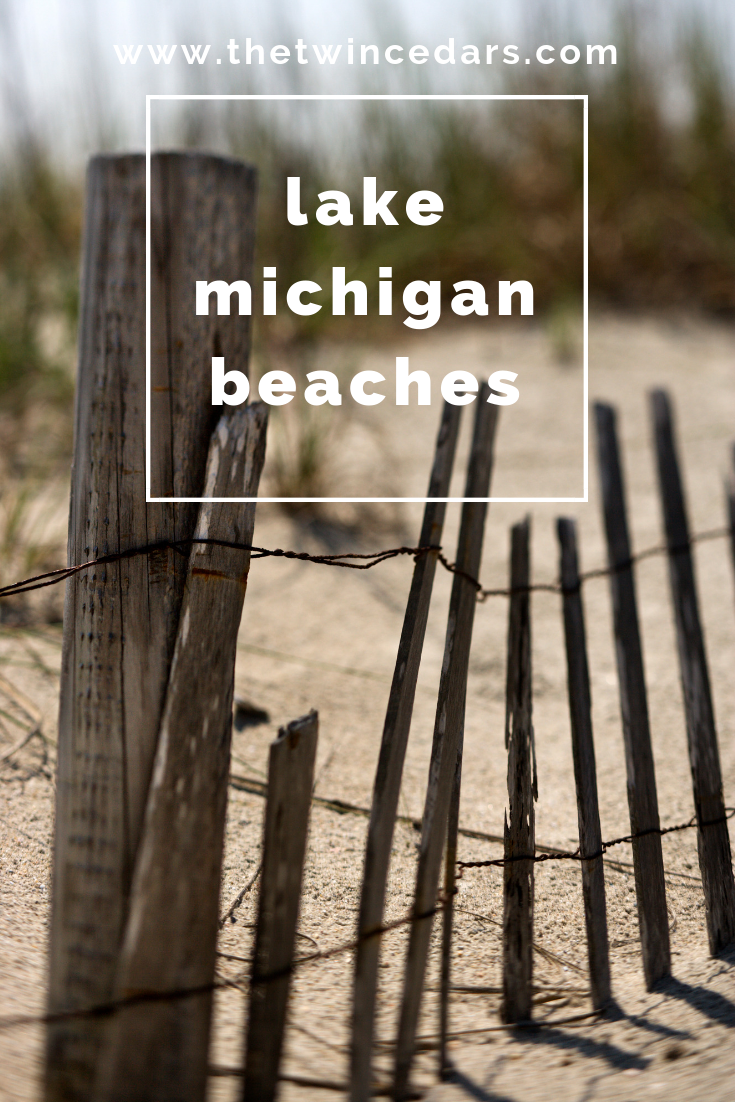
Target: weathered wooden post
[[156, 1051], [290, 779], [715, 859], [447, 732], [121, 620], [519, 823], [648, 859], [445, 1065], [585, 774]]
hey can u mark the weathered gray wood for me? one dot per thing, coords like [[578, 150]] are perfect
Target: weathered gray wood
[[642, 797], [120, 620], [519, 823], [447, 733], [585, 774], [157, 1051], [450, 887], [715, 860], [390, 761], [290, 778], [202, 227]]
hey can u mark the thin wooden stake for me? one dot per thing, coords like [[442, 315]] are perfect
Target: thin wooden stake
[[715, 860], [730, 496], [585, 775], [447, 733], [290, 779], [157, 1051], [450, 887], [520, 835], [120, 620], [390, 762], [642, 798]]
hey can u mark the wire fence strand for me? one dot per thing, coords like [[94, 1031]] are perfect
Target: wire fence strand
[[349, 561], [103, 1010], [353, 560], [576, 855]]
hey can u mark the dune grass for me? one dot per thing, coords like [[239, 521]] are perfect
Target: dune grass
[[662, 220]]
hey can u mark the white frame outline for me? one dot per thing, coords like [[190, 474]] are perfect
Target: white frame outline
[[418, 500]]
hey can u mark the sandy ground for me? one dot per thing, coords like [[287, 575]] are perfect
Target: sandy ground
[[315, 637]]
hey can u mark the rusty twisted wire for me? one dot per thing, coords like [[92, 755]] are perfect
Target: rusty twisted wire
[[347, 560], [102, 1010]]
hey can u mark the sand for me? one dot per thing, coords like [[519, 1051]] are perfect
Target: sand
[[312, 636]]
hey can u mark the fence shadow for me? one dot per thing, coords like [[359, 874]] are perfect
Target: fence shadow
[[615, 1013], [612, 1054], [472, 1089], [710, 1004]]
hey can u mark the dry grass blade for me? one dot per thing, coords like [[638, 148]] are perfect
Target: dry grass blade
[[24, 703], [7, 754], [430, 1042], [547, 954], [218, 1070], [542, 992], [237, 901]]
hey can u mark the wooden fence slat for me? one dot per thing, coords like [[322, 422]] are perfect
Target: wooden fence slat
[[730, 498], [642, 797], [447, 733], [390, 762], [715, 859], [585, 774], [157, 1051], [445, 1065], [120, 620], [290, 779], [519, 823]]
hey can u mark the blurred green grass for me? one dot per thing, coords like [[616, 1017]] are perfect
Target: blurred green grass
[[662, 216], [39, 279]]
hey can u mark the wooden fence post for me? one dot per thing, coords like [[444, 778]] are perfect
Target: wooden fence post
[[290, 779], [157, 1051], [390, 762], [585, 775], [642, 798], [715, 859], [730, 498], [120, 620], [519, 828], [447, 732], [450, 887]]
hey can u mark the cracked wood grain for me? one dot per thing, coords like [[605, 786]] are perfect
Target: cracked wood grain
[[121, 619]]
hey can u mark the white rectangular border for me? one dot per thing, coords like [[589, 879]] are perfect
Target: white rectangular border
[[418, 500]]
